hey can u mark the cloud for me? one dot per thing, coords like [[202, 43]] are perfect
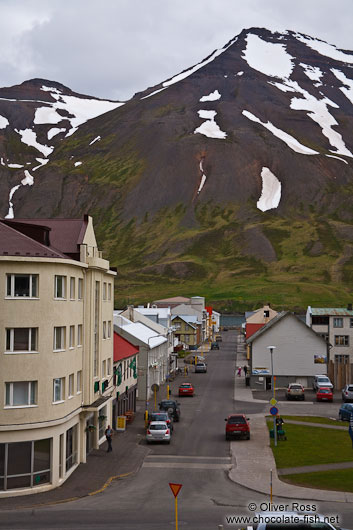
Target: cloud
[[114, 48]]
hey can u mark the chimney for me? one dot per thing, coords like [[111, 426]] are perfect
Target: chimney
[[349, 307], [131, 312]]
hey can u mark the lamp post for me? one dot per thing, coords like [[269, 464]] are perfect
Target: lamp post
[[271, 348]]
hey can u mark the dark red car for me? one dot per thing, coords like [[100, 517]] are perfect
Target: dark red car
[[237, 426], [324, 394], [186, 389]]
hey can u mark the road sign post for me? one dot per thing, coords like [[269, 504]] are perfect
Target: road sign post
[[175, 489]]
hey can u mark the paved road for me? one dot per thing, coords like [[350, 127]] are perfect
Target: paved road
[[198, 458]]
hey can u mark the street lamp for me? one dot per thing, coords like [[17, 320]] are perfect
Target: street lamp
[[271, 348]]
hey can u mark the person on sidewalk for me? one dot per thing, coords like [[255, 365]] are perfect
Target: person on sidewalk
[[245, 368], [239, 371], [108, 435]]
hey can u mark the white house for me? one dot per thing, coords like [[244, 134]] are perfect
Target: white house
[[299, 352]]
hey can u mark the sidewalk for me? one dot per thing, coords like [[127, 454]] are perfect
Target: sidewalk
[[253, 461]]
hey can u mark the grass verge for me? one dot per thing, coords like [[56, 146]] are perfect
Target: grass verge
[[316, 419], [336, 480]]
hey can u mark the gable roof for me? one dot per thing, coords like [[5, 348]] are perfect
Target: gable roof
[[188, 319], [275, 320], [15, 243]]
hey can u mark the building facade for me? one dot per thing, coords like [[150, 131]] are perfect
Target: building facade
[[56, 336]]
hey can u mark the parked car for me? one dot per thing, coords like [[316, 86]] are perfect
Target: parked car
[[302, 520], [345, 411], [218, 338], [225, 329], [347, 393], [324, 394], [200, 368], [237, 426], [191, 360], [321, 380], [172, 407], [295, 391], [158, 431], [161, 416], [214, 346], [186, 389]]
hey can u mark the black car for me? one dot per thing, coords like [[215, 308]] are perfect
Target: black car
[[172, 407], [214, 346], [161, 415]]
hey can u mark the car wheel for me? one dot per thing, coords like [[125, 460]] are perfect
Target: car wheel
[[227, 437], [248, 437], [303, 398], [340, 417]]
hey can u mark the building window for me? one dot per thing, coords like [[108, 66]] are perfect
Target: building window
[[71, 385], [109, 329], [59, 338], [72, 336], [351, 322], [80, 289], [103, 368], [72, 288], [338, 322], [104, 330], [177, 325], [60, 287], [25, 464], [109, 291], [79, 381], [71, 447], [21, 339], [79, 335], [104, 290], [109, 367], [21, 394], [22, 285], [342, 359], [58, 390], [341, 340]]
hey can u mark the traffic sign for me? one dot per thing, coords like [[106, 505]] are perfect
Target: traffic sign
[[274, 411], [155, 387], [175, 488], [273, 402]]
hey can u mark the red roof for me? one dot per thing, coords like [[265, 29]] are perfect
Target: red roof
[[15, 243], [123, 348]]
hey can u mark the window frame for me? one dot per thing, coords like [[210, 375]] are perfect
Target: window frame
[[62, 390], [71, 386], [71, 337], [337, 322], [62, 338], [32, 395], [79, 382], [63, 287], [79, 335], [80, 289], [338, 341], [104, 334], [72, 288], [11, 340], [11, 284]]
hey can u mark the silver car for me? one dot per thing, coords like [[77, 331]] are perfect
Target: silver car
[[322, 381], [347, 393], [158, 431], [200, 368]]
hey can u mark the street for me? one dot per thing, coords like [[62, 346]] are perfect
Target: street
[[198, 457]]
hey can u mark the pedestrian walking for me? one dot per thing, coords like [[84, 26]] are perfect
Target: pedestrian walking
[[239, 371], [245, 368], [108, 435]]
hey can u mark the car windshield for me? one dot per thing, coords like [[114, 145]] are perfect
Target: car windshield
[[236, 419], [167, 404], [323, 378], [350, 388], [325, 391]]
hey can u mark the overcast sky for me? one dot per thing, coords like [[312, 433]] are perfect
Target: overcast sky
[[114, 48]]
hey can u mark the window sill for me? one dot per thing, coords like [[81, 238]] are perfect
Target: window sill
[[20, 352], [70, 397], [58, 402], [56, 351], [61, 299], [71, 347], [20, 406], [22, 298], [79, 346]]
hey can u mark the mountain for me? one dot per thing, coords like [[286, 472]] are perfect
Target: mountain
[[232, 179]]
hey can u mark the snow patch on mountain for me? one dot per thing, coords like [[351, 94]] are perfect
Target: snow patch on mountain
[[213, 96], [96, 139], [15, 166], [4, 122], [54, 131], [154, 92], [190, 71], [348, 92], [285, 137], [209, 127], [323, 48], [312, 72], [28, 180], [42, 162], [268, 58], [338, 158], [29, 137], [271, 191], [76, 164]]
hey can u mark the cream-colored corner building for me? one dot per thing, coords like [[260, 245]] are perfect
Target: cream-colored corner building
[[56, 351]]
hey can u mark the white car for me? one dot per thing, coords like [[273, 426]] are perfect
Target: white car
[[321, 381], [158, 431], [293, 520]]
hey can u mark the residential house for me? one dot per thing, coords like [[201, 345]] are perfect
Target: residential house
[[188, 306], [298, 353], [56, 307], [187, 330], [125, 375], [255, 320]]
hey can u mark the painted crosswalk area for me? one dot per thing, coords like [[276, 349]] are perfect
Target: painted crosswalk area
[[187, 462]]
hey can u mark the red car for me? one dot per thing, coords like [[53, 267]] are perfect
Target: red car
[[324, 394], [237, 425], [186, 389]]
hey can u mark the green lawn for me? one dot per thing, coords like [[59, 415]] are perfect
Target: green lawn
[[316, 419], [339, 480], [306, 446]]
